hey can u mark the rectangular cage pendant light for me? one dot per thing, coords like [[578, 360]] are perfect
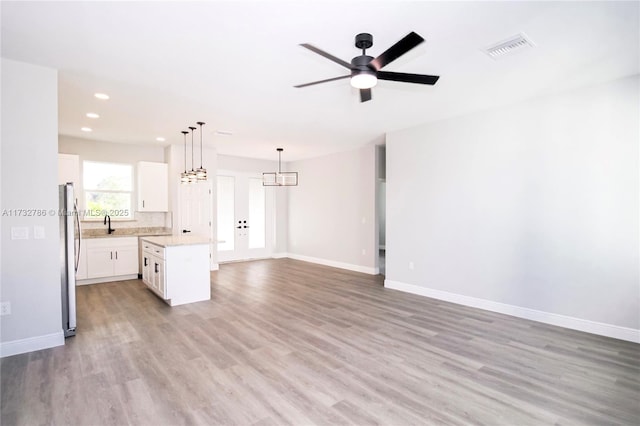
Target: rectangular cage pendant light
[[280, 178]]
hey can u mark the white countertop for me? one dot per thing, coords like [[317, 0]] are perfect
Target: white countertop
[[177, 240]]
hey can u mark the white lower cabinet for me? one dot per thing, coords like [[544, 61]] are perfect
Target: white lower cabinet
[[153, 268], [111, 257]]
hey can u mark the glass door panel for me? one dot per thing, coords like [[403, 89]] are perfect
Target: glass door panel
[[226, 213], [257, 216]]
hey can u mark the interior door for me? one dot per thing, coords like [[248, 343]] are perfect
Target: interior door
[[196, 201], [245, 217]]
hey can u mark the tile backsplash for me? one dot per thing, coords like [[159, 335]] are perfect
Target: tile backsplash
[[140, 220]]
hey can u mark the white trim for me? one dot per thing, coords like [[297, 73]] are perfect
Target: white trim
[[603, 329], [279, 255], [30, 344], [333, 263], [215, 266]]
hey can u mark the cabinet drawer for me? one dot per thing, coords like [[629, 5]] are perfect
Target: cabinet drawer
[[153, 250]]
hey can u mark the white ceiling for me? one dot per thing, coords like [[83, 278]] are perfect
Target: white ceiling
[[233, 65]]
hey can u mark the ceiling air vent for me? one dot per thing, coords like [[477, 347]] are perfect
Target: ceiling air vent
[[509, 46]]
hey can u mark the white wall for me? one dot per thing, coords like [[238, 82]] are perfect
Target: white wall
[[108, 151], [533, 206], [30, 276], [332, 210]]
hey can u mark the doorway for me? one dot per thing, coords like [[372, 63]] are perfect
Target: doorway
[[381, 206], [245, 217]]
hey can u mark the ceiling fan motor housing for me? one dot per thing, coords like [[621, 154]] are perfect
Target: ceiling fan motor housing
[[360, 65]]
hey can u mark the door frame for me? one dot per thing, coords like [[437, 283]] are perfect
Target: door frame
[[246, 253]]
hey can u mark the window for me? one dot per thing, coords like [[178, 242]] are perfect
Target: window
[[107, 190]]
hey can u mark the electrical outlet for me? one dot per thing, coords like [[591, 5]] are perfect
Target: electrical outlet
[[5, 308], [411, 266]]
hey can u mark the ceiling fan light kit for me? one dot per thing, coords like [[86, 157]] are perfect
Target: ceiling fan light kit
[[365, 70], [280, 178]]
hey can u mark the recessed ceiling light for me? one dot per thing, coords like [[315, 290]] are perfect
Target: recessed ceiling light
[[160, 139], [102, 96], [92, 115], [86, 129], [224, 132]]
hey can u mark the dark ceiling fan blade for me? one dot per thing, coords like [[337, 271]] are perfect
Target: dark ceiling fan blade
[[322, 81], [407, 78], [365, 95], [394, 52], [326, 55]]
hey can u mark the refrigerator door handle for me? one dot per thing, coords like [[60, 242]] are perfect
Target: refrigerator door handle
[[76, 214], [70, 256]]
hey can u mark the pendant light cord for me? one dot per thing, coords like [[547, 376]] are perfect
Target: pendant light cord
[[185, 150], [200, 123], [192, 129]]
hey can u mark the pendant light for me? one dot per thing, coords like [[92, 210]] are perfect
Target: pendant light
[[280, 178], [192, 174], [184, 176], [201, 173]]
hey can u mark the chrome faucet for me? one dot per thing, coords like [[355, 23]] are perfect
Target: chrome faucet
[[109, 230]]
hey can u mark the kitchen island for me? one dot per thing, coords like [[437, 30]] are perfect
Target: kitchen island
[[176, 268]]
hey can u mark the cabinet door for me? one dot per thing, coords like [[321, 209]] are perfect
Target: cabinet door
[[146, 268], [160, 278], [157, 275], [153, 187], [125, 260], [99, 262]]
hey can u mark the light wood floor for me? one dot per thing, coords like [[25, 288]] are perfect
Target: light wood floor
[[288, 342]]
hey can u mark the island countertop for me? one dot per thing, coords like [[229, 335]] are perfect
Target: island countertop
[[177, 240]]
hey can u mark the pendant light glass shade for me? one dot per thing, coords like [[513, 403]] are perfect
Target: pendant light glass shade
[[184, 176], [201, 172]]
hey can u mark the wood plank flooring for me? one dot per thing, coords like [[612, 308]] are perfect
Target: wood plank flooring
[[289, 342]]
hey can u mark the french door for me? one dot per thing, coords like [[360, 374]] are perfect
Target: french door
[[245, 217]]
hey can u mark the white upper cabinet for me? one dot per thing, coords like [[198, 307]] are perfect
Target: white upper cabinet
[[69, 169], [153, 187]]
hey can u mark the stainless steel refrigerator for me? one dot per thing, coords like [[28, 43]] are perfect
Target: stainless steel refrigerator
[[70, 240]]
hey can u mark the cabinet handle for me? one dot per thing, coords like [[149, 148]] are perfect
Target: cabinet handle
[[116, 255], [142, 203], [111, 253], [145, 261], [156, 268]]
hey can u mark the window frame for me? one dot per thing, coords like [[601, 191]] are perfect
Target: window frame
[[92, 215]]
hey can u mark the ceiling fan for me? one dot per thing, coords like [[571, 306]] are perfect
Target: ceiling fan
[[365, 70]]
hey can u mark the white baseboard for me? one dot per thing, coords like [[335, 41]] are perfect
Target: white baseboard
[[602, 329], [215, 266], [279, 255], [334, 264], [107, 279], [21, 346]]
